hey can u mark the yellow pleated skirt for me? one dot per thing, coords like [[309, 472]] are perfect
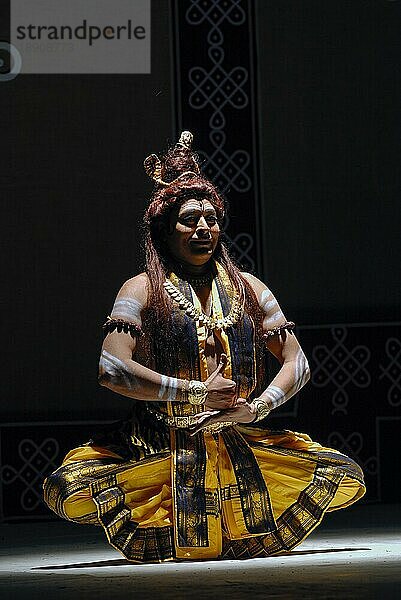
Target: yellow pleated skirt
[[134, 501]]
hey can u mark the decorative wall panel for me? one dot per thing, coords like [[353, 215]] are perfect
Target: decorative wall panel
[[352, 402], [29, 452], [215, 98]]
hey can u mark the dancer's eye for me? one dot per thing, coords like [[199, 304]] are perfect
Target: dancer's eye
[[190, 221]]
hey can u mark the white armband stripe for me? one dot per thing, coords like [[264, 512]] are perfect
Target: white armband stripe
[[117, 368], [168, 388], [127, 308], [274, 318]]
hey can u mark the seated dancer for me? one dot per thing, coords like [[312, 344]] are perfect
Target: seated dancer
[[196, 473]]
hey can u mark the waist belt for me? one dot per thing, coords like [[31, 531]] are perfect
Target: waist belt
[[188, 421]]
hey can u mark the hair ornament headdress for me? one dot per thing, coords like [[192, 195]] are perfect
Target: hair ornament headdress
[[186, 139], [154, 166]]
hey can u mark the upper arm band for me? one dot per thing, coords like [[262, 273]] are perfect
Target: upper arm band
[[122, 326]]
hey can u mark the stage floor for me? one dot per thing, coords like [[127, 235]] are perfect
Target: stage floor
[[355, 553]]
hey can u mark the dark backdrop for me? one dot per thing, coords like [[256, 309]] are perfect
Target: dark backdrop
[[327, 154], [329, 120], [74, 195]]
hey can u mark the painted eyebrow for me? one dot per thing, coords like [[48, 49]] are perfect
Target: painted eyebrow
[[191, 211]]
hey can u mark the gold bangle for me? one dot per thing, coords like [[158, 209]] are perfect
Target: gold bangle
[[262, 410], [197, 392]]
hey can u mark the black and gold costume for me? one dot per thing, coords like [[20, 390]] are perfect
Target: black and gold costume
[[161, 494]]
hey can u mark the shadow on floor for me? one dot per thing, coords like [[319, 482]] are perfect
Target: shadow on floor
[[119, 562]]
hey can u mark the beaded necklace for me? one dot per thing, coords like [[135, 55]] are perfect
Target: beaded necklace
[[198, 315], [195, 280]]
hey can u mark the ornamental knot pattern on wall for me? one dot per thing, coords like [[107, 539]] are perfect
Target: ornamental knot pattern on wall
[[216, 86], [392, 371], [341, 367], [36, 460], [352, 446]]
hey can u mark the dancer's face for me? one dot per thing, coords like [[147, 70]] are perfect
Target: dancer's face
[[194, 232]]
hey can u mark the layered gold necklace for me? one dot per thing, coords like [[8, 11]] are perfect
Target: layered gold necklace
[[197, 315]]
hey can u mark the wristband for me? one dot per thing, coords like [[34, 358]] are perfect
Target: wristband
[[197, 392], [262, 410]]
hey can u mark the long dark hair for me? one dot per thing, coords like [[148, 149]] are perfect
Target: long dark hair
[[158, 262]]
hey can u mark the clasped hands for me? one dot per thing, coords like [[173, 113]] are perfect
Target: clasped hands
[[222, 405]]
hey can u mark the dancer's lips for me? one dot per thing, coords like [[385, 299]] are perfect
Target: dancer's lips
[[201, 246], [201, 242]]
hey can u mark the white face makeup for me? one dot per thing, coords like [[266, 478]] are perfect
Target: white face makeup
[[195, 232]]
